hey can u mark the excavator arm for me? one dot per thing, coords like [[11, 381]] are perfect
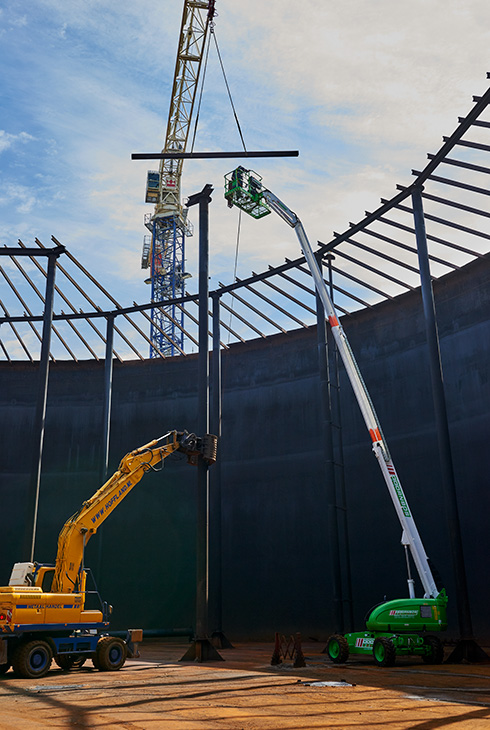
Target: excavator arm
[[77, 531]]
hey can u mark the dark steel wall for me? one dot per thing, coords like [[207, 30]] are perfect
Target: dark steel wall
[[276, 571]]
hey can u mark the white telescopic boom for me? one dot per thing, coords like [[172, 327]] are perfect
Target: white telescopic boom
[[380, 447]]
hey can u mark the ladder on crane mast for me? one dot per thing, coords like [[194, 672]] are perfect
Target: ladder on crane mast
[[164, 249]]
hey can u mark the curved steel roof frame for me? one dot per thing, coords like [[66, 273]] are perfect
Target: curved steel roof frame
[[375, 259]]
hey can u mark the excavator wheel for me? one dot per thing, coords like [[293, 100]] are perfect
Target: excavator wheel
[[32, 659], [384, 652], [110, 654], [338, 649], [70, 661], [436, 650]]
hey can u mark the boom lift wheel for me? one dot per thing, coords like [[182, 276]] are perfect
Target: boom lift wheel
[[32, 659], [436, 650], [384, 652], [338, 649], [110, 654]]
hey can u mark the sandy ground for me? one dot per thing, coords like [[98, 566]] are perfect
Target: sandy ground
[[244, 692]]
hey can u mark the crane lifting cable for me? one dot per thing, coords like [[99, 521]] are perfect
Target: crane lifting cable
[[239, 222], [235, 267], [228, 88]]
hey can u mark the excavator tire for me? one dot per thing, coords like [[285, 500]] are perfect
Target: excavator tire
[[110, 654], [32, 659]]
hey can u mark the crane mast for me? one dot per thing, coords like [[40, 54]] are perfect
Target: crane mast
[[164, 248]]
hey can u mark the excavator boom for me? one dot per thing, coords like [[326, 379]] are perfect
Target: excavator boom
[[77, 531]]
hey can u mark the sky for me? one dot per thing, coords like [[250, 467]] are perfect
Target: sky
[[364, 90]]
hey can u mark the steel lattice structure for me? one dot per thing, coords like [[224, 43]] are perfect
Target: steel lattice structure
[[165, 250], [372, 260]]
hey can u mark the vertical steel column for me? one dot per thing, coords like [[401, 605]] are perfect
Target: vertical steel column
[[203, 421], [327, 433], [202, 649], [443, 438], [40, 415], [106, 422], [215, 542], [215, 492], [334, 377]]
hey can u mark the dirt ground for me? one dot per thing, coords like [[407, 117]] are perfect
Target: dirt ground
[[244, 692]]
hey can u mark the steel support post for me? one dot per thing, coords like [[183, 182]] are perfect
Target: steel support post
[[215, 544], [328, 450], [467, 648], [201, 648], [40, 414], [203, 419], [106, 422], [106, 416], [338, 448]]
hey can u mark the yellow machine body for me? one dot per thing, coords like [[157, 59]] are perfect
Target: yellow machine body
[[24, 607]]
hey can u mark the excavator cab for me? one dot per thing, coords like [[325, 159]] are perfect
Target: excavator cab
[[243, 188]]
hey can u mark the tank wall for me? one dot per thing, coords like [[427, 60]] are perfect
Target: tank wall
[[276, 565]]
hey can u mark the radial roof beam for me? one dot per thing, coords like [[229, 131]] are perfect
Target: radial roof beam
[[435, 239], [366, 266], [257, 311], [274, 304], [456, 183], [404, 246], [444, 222], [461, 163]]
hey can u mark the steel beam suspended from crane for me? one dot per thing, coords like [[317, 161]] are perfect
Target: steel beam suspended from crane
[[211, 155]]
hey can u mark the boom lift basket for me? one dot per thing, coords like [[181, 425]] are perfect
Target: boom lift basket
[[243, 188]]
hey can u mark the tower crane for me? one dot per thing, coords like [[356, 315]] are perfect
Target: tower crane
[[164, 248]]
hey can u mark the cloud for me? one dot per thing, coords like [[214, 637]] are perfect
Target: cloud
[[20, 198], [363, 90], [7, 140], [19, 22]]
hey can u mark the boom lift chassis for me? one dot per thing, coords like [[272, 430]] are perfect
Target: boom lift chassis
[[397, 627]]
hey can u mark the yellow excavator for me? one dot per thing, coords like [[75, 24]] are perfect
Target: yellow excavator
[[42, 610]]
